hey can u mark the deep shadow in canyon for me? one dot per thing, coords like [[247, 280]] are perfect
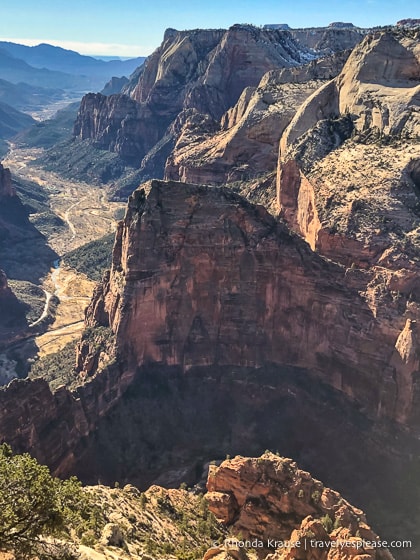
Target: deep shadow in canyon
[[168, 425]]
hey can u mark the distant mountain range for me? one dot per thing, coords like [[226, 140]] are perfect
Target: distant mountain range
[[47, 57], [33, 77]]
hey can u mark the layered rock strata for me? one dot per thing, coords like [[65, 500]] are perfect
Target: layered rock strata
[[246, 145], [200, 277], [347, 173], [374, 99], [203, 70]]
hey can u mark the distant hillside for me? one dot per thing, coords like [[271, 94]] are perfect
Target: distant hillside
[[46, 134], [26, 97], [46, 57], [12, 121]]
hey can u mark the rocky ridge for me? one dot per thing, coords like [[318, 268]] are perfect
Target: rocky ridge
[[246, 145], [201, 70]]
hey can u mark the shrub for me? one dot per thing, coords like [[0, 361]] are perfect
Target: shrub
[[33, 504], [327, 523]]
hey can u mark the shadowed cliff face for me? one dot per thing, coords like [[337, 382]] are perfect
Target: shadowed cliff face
[[24, 254], [201, 277], [12, 313], [17, 234]]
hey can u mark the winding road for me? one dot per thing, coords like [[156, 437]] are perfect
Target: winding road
[[44, 314]]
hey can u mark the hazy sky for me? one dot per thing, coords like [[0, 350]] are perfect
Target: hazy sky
[[135, 28]]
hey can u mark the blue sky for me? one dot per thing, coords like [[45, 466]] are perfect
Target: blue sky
[[135, 28]]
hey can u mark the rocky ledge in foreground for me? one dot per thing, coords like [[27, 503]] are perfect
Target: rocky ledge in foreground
[[253, 507], [280, 510]]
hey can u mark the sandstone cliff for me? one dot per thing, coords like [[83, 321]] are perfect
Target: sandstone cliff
[[378, 87], [246, 146], [347, 172], [202, 70], [225, 284], [223, 319]]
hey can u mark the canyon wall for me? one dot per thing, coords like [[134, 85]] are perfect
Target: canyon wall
[[230, 335], [245, 146], [346, 178], [204, 71], [201, 277]]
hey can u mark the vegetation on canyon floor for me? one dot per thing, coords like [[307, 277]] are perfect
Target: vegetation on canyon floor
[[93, 258], [57, 368]]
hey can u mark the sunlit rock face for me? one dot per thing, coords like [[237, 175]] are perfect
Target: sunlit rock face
[[200, 277], [204, 71]]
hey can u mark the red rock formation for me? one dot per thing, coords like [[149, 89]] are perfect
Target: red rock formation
[[223, 318], [352, 196], [200, 277], [116, 123], [270, 500]]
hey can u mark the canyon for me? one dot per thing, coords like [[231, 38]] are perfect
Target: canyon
[[202, 330], [274, 305], [190, 81]]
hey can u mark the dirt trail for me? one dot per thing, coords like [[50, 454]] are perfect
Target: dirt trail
[[88, 215]]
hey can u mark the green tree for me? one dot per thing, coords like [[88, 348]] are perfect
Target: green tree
[[33, 504]]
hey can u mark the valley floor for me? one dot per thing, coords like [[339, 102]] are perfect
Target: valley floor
[[87, 215]]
